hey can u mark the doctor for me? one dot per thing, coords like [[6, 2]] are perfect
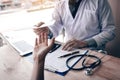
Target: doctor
[[87, 23]]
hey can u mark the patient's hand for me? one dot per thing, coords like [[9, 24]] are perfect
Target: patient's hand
[[40, 50], [42, 47]]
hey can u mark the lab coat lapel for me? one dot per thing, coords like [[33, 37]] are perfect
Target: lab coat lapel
[[68, 10], [78, 17]]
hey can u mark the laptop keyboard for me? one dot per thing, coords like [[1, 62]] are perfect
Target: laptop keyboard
[[23, 46]]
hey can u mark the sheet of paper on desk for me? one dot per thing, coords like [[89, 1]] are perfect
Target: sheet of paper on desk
[[53, 61]]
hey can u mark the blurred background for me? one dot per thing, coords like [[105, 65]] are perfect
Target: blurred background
[[13, 4], [19, 14]]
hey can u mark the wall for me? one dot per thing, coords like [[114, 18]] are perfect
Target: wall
[[113, 47]]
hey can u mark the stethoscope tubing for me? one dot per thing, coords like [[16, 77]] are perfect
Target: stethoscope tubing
[[92, 65]]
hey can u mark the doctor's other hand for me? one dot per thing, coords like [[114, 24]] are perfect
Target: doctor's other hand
[[42, 47], [38, 29], [71, 44]]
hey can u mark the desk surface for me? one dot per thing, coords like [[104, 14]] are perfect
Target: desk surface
[[14, 67]]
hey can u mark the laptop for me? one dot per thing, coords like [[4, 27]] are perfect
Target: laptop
[[21, 40]]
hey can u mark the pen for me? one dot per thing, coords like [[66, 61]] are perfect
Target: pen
[[66, 55]]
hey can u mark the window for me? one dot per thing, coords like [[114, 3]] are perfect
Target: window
[[19, 14]]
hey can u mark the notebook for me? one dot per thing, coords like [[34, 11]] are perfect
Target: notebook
[[22, 40]]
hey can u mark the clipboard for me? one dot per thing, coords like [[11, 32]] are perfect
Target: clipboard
[[58, 65]]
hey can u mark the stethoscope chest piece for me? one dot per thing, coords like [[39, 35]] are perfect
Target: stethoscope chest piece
[[88, 72]]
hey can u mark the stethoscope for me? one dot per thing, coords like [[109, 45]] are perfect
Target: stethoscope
[[88, 68]]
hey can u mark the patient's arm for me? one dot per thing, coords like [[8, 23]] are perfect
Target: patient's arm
[[40, 50]]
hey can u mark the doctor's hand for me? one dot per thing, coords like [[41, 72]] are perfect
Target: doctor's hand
[[38, 29], [42, 47], [71, 44]]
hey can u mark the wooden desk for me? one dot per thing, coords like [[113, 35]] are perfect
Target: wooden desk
[[14, 67], [109, 70]]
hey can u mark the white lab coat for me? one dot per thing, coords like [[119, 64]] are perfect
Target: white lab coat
[[93, 20]]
